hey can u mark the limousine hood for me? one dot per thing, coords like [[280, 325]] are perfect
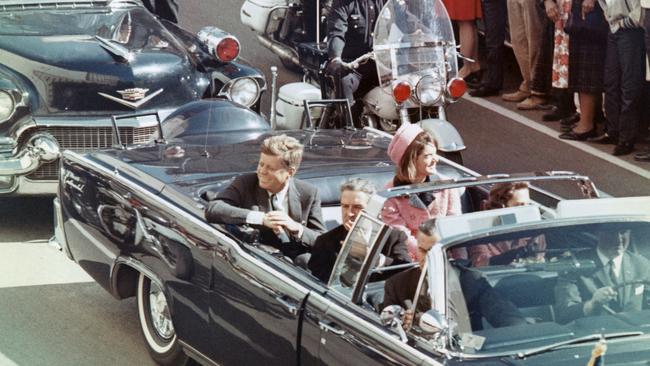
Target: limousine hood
[[104, 61]]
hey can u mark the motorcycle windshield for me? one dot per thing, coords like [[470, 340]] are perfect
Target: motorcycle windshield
[[412, 39]]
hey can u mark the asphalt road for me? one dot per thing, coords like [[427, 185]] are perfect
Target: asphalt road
[[53, 314]]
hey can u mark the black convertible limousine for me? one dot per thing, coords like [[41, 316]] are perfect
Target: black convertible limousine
[[133, 218]]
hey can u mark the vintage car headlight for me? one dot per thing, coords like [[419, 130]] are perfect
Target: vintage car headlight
[[429, 90], [7, 105], [244, 91]]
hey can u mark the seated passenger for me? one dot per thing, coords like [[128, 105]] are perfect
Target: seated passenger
[[615, 285], [288, 209], [481, 300], [508, 195], [414, 153], [355, 194]]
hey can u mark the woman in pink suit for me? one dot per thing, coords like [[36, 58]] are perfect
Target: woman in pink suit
[[414, 152]]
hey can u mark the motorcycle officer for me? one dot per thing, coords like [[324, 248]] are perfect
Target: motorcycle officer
[[350, 27]]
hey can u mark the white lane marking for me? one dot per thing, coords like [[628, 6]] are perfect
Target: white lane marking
[[5, 361], [33, 264], [554, 134]]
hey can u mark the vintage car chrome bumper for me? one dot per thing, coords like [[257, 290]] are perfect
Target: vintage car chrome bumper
[[41, 148]]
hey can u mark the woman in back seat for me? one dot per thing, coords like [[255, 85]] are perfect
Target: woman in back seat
[[413, 150], [502, 195]]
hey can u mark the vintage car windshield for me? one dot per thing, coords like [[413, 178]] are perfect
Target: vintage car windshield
[[354, 253], [61, 18], [520, 290]]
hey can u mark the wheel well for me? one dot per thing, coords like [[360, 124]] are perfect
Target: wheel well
[[125, 281]]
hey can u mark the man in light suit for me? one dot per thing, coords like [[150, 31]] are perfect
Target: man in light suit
[[287, 209], [615, 285]]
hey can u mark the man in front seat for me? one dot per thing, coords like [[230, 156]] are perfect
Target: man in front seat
[[355, 194], [616, 284], [288, 209], [477, 297]]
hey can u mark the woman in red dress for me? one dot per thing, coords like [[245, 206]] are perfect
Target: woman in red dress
[[465, 13]]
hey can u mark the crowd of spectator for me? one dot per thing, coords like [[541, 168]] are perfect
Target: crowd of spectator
[[589, 51]]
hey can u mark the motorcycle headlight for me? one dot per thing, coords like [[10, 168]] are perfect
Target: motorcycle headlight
[[244, 91], [7, 105], [429, 90]]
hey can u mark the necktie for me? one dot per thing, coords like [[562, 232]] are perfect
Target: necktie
[[612, 272], [276, 205]]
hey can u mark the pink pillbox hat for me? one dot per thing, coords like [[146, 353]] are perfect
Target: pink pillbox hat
[[401, 141]]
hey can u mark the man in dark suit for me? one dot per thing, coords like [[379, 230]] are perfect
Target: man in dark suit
[[615, 285], [355, 194], [287, 209], [471, 296]]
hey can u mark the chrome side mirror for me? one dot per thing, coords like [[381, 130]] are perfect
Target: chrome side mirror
[[433, 322], [391, 317]]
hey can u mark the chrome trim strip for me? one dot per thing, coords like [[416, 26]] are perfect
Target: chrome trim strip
[[193, 352], [59, 233]]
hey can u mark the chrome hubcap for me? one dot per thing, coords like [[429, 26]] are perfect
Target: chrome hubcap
[[160, 317]]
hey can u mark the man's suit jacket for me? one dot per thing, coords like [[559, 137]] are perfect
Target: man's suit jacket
[[327, 246], [232, 205], [478, 299], [571, 292]]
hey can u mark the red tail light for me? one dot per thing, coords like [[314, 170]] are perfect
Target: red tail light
[[227, 49], [401, 91], [456, 87]]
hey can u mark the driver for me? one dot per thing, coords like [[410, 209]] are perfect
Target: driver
[[616, 284], [349, 33]]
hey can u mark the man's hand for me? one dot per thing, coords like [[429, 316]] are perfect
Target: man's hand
[[408, 319], [587, 7], [552, 11], [602, 296], [276, 220], [335, 66]]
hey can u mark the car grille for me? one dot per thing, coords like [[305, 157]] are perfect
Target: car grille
[[84, 139]]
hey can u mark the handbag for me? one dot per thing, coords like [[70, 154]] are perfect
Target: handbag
[[593, 26]]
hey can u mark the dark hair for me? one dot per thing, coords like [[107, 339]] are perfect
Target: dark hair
[[428, 227], [405, 173], [501, 193]]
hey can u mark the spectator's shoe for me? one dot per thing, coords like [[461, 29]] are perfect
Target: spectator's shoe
[[623, 148], [473, 80], [557, 114], [484, 91], [572, 135], [645, 156], [605, 139], [517, 96], [570, 120], [533, 102]]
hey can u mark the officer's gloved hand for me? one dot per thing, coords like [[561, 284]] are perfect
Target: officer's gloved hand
[[335, 66]]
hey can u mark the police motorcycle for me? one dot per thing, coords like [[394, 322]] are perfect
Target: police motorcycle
[[284, 25], [416, 57]]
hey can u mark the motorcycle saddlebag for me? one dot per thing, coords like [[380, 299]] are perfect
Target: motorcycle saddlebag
[[312, 55]]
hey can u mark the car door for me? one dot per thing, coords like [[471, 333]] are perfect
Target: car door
[[255, 308], [351, 331]]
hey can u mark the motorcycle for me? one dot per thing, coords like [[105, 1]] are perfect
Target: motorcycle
[[416, 57], [284, 25]]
